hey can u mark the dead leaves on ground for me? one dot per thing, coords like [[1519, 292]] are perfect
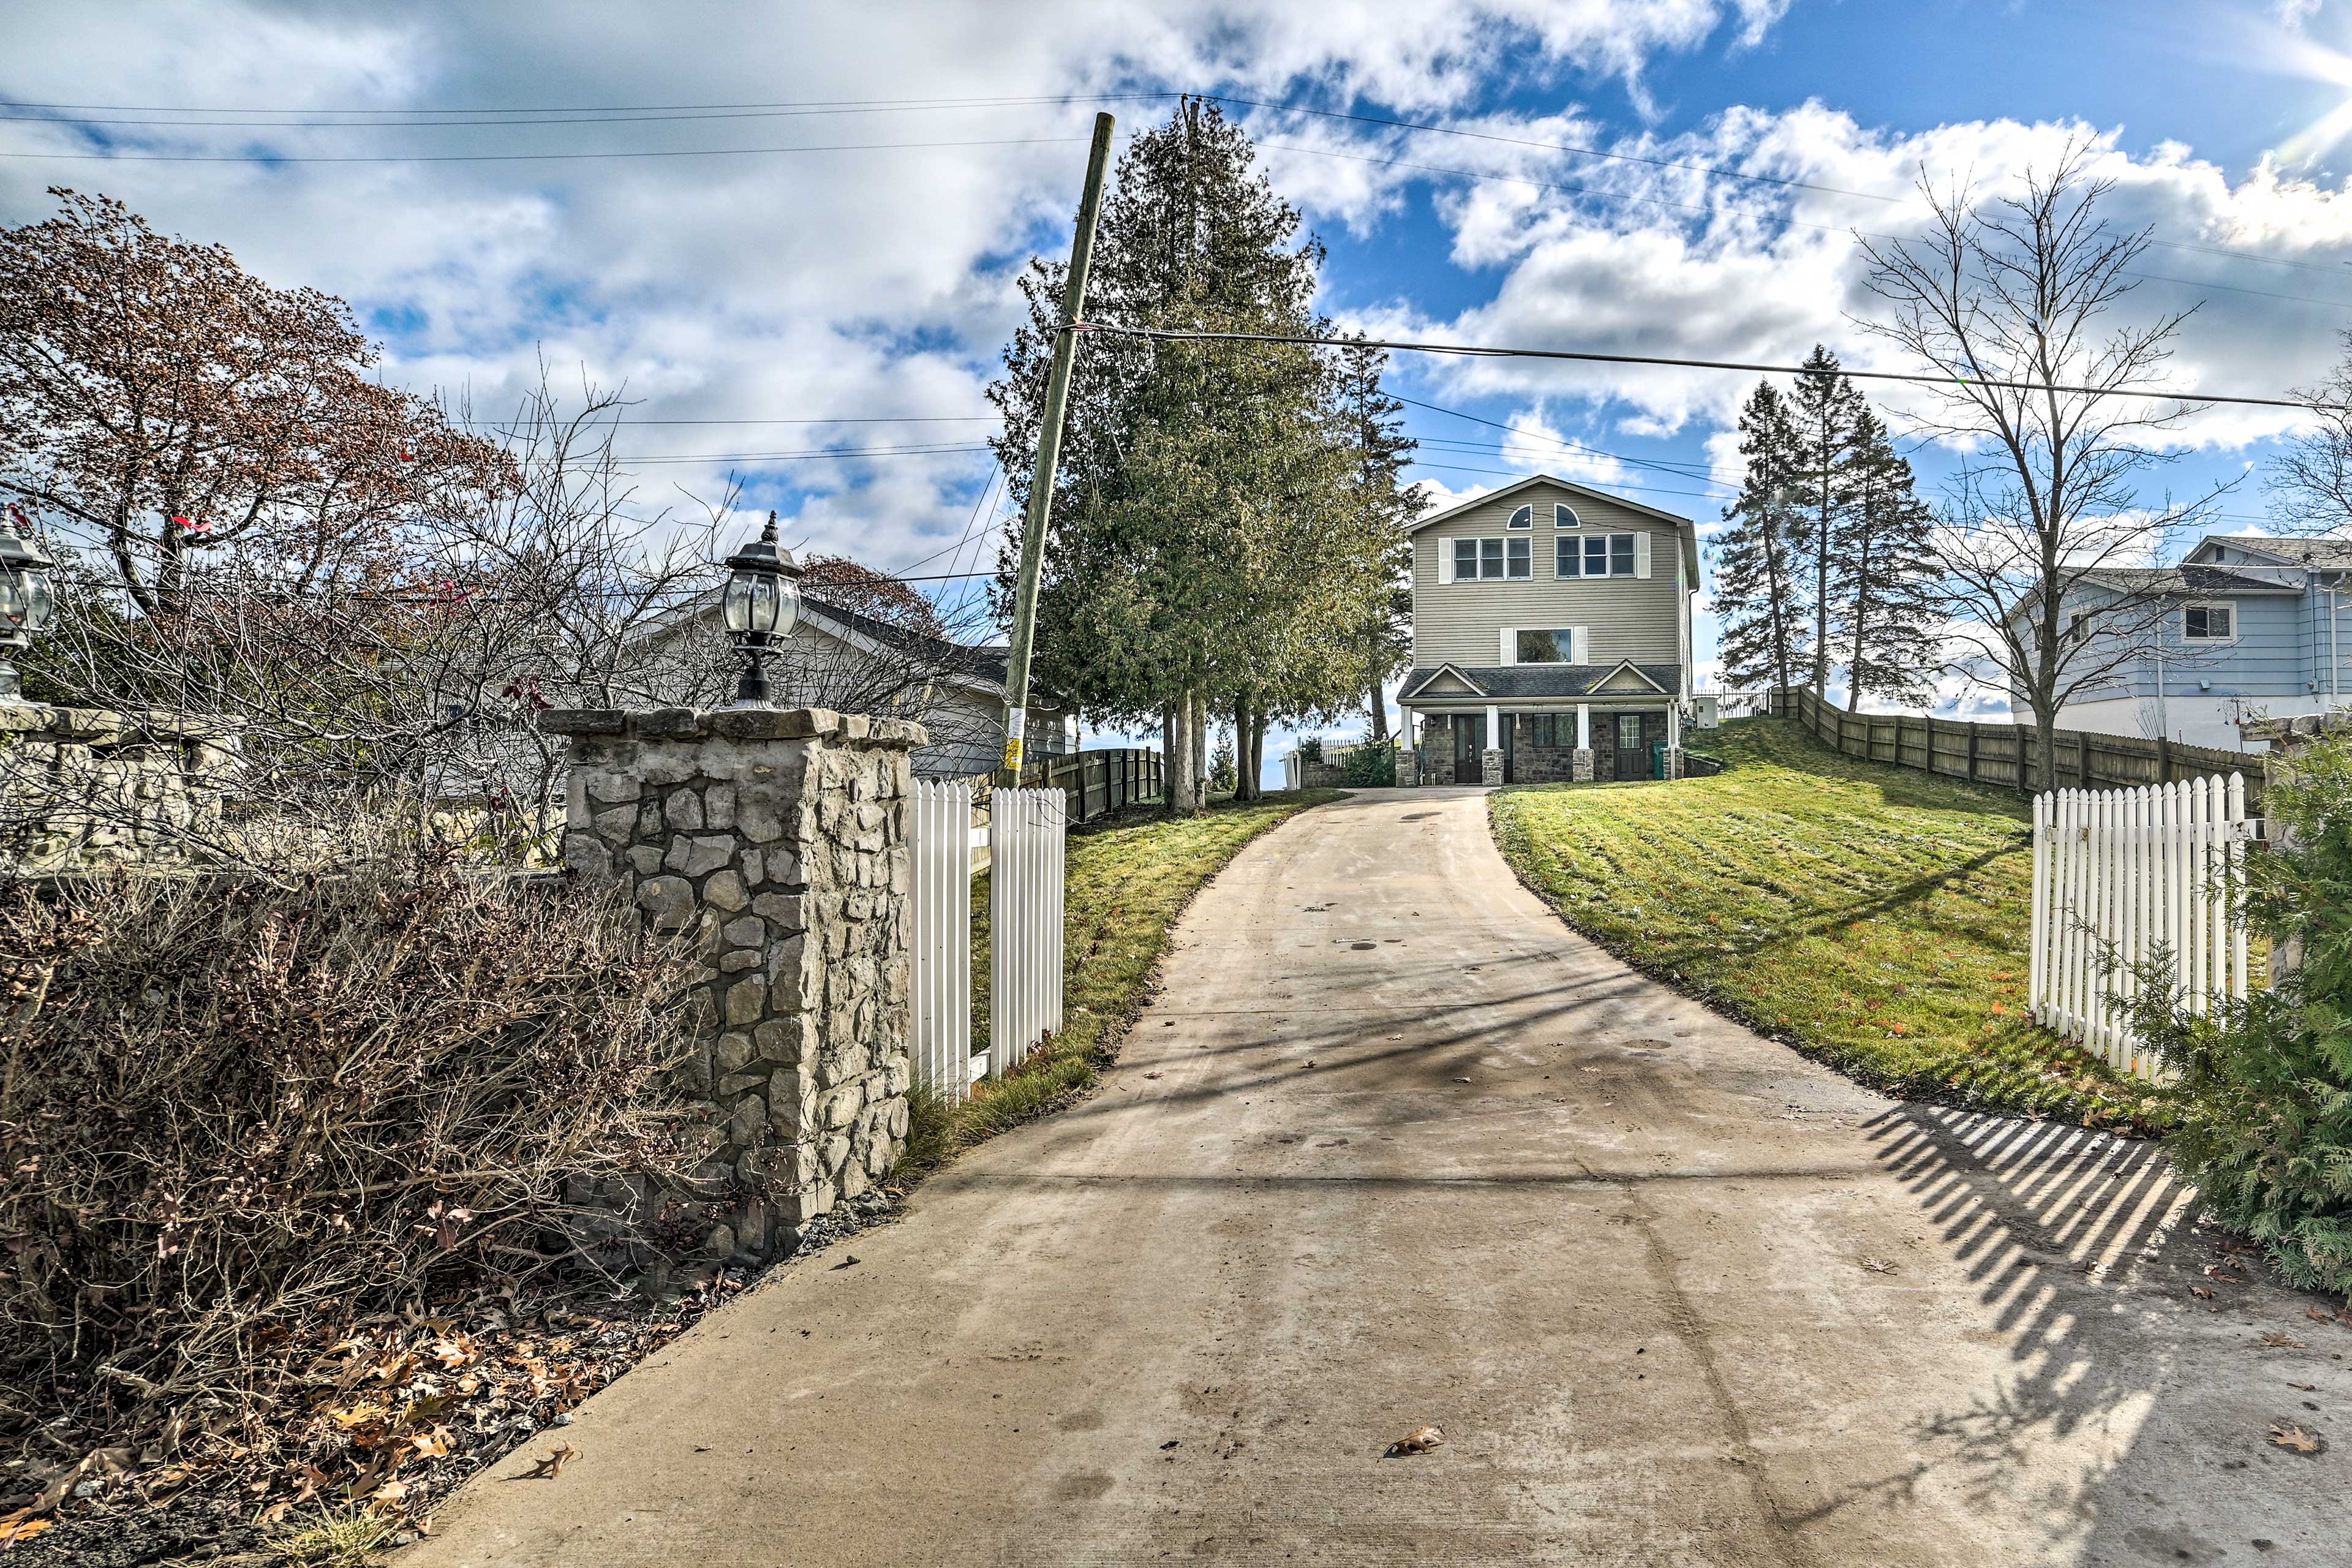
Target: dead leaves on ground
[[2278, 1341], [2294, 1439], [553, 1465], [1420, 1440]]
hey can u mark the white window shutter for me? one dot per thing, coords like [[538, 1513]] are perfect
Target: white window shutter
[[1510, 647], [1579, 645], [1445, 561], [1642, 554]]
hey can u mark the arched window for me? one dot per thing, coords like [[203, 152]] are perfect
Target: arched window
[[1523, 518], [1564, 516]]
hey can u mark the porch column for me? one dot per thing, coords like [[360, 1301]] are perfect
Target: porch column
[[1579, 764], [1490, 761], [1673, 740], [1408, 772]]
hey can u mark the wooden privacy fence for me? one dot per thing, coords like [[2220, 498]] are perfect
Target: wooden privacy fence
[[2005, 755], [1027, 830], [940, 849], [2121, 877], [1098, 782]]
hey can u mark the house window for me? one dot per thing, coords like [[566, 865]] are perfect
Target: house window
[[1543, 730], [1523, 518], [1565, 517], [1521, 558], [1556, 645], [1593, 555], [1466, 559], [2078, 625], [1492, 559], [2208, 623]]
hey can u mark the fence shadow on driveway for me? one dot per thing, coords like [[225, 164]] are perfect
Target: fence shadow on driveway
[[2080, 1248]]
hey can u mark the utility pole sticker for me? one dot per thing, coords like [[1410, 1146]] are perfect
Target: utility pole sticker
[[1016, 720]]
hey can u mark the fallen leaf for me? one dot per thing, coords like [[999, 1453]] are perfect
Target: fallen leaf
[[2278, 1341], [16, 1528], [553, 1465], [1420, 1440], [2201, 1292], [2285, 1435], [1151, 1074], [1878, 1265], [2215, 1271]]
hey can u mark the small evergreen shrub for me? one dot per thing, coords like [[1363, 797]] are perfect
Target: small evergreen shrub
[[1370, 766], [1310, 748], [2264, 1126], [1223, 777]]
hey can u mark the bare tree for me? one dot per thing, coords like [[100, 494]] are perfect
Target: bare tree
[[2313, 480], [2010, 300]]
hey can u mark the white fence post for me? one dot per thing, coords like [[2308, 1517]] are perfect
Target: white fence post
[[1026, 832], [2131, 873], [939, 839]]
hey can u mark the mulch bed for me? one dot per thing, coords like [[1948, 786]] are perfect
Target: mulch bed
[[387, 1415]]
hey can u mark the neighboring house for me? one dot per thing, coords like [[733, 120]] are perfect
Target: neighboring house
[[855, 663], [1551, 636], [2249, 625]]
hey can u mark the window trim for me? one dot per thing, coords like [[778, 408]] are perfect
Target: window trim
[[1564, 516], [1504, 547], [1585, 543], [2227, 606], [1555, 634], [1527, 511]]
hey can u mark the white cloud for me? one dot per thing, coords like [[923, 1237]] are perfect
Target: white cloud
[[841, 283]]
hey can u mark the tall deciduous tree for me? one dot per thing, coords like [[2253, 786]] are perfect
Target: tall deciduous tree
[[2013, 302], [1759, 598], [1885, 617], [170, 407]]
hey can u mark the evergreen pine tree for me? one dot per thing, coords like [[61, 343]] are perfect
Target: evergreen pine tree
[[1376, 428], [1824, 409], [1886, 571], [1759, 603]]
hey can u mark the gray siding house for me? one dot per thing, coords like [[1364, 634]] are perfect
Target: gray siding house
[[1551, 638], [2251, 625]]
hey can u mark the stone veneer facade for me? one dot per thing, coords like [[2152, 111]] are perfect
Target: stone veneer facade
[[84, 787], [777, 838]]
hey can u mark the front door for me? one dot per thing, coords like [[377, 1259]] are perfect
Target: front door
[[1469, 742], [1633, 750]]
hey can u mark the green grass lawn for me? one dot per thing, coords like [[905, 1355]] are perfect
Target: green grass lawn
[[1871, 916], [1129, 880]]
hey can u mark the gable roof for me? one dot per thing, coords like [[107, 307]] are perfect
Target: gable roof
[[2186, 579], [1683, 525], [1512, 682], [2330, 552]]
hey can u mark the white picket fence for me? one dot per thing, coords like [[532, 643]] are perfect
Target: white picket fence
[[1027, 829], [1023, 844], [939, 842], [2133, 872]]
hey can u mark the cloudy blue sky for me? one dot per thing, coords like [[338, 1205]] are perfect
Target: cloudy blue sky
[[792, 228]]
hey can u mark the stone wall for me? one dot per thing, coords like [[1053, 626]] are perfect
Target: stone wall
[[82, 788], [778, 839]]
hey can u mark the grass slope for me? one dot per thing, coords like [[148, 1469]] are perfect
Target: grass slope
[[1873, 917], [1129, 880]]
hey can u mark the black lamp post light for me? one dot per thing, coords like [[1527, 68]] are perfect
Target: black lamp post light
[[762, 603], [27, 605]]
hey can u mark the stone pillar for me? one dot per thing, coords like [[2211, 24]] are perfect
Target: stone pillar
[[779, 838], [86, 787], [1490, 764], [1579, 765]]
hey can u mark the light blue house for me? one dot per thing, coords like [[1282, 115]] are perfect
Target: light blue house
[[2247, 625]]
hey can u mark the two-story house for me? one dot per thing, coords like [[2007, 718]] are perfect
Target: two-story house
[[1551, 638], [2247, 625]]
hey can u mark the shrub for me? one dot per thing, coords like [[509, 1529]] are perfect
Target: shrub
[[1310, 748], [235, 1115], [1370, 766], [2265, 1120], [1223, 777]]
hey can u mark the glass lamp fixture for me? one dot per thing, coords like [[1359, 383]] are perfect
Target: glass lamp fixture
[[27, 605], [762, 603]]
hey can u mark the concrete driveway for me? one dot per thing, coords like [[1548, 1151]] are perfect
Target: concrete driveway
[[1396, 1147]]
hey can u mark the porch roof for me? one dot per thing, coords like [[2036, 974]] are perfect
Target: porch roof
[[1478, 685]]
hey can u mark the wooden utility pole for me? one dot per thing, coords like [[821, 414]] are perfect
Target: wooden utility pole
[[1049, 451]]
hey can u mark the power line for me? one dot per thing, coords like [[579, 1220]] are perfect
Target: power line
[[1475, 351], [811, 105], [269, 158]]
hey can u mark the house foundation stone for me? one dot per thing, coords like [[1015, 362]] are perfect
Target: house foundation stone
[[776, 840], [1579, 765]]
